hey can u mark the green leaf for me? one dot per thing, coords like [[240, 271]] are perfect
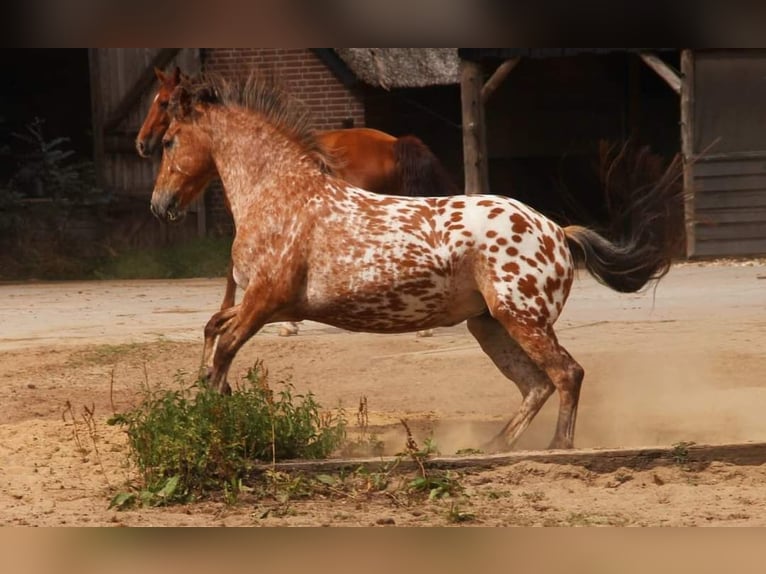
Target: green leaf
[[169, 488], [123, 500], [327, 479]]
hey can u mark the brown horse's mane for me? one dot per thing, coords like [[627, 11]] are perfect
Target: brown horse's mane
[[419, 171], [264, 96]]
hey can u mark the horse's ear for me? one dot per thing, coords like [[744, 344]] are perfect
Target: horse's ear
[[180, 104], [160, 74], [177, 76]]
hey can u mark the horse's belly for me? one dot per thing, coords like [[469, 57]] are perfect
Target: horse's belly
[[408, 306]]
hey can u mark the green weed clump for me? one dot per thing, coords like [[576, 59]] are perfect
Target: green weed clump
[[192, 442]]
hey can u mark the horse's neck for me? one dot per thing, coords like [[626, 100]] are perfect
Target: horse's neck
[[258, 167]]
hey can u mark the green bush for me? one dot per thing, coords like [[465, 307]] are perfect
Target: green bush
[[191, 442]]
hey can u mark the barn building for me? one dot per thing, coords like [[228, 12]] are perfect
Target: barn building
[[515, 121]]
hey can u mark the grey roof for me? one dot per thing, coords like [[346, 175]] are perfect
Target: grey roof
[[402, 67]]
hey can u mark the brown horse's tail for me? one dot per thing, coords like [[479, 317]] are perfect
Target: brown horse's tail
[[418, 170], [647, 221]]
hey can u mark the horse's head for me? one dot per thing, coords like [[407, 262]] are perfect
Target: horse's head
[[187, 163], [157, 118]]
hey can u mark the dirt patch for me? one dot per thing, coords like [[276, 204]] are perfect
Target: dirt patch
[[684, 363]]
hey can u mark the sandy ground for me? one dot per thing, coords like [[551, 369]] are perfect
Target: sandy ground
[[684, 362]]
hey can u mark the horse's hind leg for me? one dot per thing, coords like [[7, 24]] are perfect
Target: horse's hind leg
[[514, 363], [544, 351], [569, 394]]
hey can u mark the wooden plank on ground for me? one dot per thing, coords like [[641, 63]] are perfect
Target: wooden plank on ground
[[596, 460]]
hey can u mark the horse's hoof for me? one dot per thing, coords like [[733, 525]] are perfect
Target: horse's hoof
[[205, 375], [561, 444], [495, 446], [288, 330], [225, 388]]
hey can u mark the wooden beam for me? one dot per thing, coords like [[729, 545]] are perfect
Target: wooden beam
[[497, 78], [474, 130], [732, 156], [663, 70], [594, 459], [687, 146], [161, 59]]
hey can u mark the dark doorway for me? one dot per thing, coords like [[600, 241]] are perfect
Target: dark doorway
[[432, 114], [52, 85], [545, 123]]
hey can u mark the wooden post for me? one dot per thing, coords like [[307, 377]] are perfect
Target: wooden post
[[687, 145], [497, 78], [97, 116], [474, 130], [201, 216]]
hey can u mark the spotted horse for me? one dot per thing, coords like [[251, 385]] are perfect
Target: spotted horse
[[311, 246], [364, 157]]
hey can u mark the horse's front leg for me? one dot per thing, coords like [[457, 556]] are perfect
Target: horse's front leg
[[235, 326], [231, 288], [211, 329]]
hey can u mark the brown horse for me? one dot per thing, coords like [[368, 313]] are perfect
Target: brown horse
[[310, 246], [364, 157]]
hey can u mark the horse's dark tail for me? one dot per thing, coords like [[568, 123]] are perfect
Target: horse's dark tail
[[419, 171], [650, 233]]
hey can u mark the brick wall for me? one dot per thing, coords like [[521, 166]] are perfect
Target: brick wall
[[332, 105]]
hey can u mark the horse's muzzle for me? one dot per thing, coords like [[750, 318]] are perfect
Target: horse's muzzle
[[146, 146], [167, 209]]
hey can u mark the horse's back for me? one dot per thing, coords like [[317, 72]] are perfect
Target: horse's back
[[365, 158]]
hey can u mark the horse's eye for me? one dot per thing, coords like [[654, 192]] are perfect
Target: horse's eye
[[167, 144]]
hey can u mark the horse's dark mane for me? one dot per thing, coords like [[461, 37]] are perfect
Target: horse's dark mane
[[419, 171], [264, 96]]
